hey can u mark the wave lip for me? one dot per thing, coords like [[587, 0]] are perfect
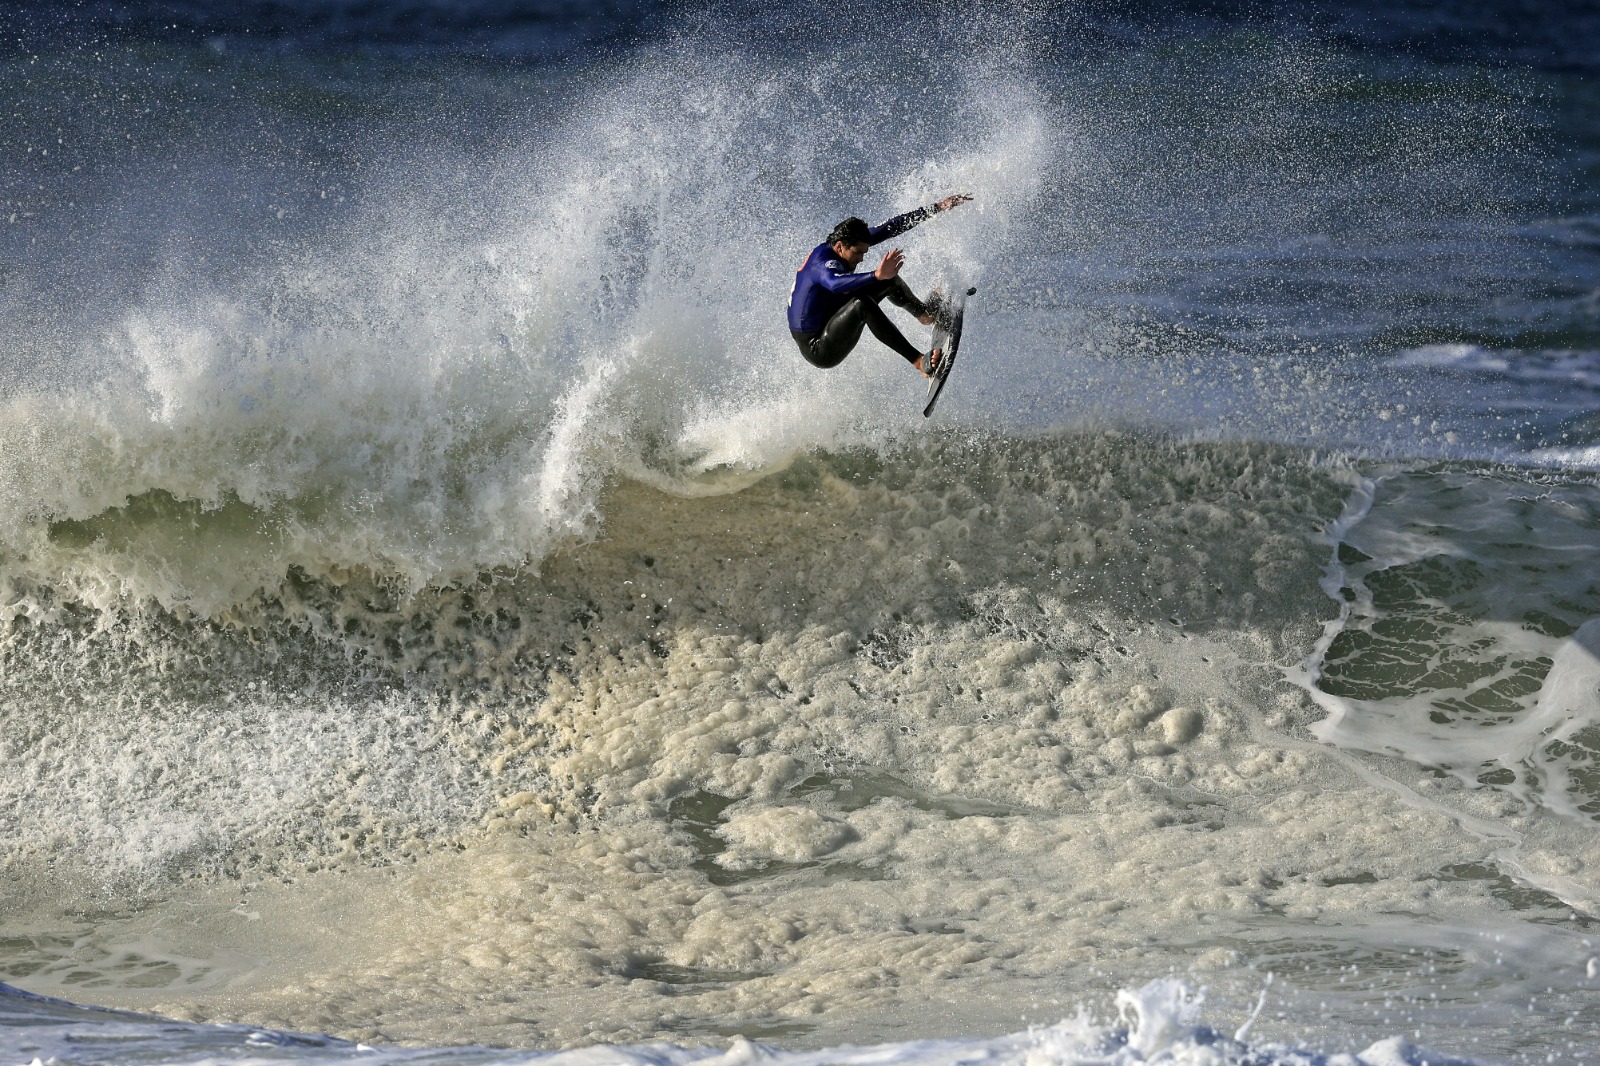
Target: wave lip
[[1455, 356], [1563, 366], [1585, 458]]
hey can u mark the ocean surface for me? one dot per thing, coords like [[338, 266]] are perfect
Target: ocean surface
[[443, 620]]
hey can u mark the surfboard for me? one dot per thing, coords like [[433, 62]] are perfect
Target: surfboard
[[948, 317]]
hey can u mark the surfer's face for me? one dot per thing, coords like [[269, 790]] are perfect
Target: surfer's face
[[850, 254]]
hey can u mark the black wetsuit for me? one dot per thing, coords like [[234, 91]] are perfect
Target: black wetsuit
[[839, 337], [831, 305]]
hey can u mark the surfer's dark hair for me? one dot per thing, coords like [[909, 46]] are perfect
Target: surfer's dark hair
[[851, 231]]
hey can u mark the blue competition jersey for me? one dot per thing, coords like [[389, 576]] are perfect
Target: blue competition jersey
[[823, 284]]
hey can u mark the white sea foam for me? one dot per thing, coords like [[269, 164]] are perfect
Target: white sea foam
[[665, 780], [1159, 1022], [1445, 653]]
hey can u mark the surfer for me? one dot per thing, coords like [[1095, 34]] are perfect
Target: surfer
[[830, 304]]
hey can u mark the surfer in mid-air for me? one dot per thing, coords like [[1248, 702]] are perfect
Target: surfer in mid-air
[[831, 304]]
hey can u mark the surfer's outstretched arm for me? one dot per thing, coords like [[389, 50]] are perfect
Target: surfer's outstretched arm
[[900, 223]]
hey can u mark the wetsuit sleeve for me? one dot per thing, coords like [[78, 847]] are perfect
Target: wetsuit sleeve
[[844, 281], [899, 224]]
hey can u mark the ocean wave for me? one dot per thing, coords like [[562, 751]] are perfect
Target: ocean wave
[[440, 606], [442, 387], [847, 556], [1580, 368]]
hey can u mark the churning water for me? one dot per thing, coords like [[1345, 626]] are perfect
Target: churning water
[[439, 608]]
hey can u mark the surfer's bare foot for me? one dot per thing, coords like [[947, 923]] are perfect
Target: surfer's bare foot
[[930, 363]]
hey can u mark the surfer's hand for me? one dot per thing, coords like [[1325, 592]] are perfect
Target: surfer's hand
[[953, 201], [890, 267]]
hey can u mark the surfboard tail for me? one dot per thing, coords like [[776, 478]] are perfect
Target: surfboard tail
[[946, 338]]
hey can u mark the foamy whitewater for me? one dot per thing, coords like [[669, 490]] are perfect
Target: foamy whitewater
[[443, 620]]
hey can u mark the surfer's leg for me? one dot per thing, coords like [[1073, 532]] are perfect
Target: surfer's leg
[[900, 294], [837, 339], [843, 331], [883, 329]]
